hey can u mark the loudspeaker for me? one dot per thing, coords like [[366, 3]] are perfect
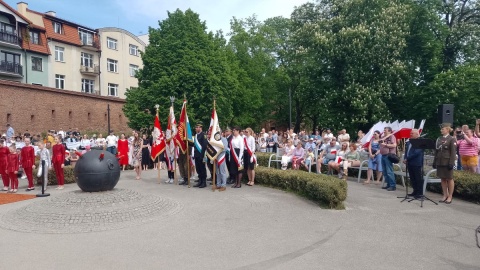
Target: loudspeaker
[[445, 113]]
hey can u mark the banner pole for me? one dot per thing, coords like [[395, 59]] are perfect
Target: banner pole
[[175, 166], [214, 176]]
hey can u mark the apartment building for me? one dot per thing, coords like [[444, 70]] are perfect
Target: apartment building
[[120, 60], [23, 48], [74, 64]]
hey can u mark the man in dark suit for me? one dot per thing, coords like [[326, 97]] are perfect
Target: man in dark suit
[[413, 158], [200, 146]]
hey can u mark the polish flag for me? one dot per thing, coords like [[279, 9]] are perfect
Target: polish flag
[[420, 128], [158, 139], [338, 159]]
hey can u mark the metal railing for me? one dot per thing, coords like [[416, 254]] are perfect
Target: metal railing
[[10, 38], [11, 67], [94, 70]]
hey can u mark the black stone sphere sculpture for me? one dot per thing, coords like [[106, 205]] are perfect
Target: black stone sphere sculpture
[[96, 171]]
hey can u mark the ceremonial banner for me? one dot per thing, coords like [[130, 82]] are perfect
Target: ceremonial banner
[[158, 140], [184, 132], [170, 135], [214, 136]]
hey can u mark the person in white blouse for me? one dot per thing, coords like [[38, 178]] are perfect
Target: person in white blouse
[[236, 157], [249, 158], [101, 142], [85, 142], [288, 154]]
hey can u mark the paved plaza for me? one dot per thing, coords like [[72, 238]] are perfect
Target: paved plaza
[[146, 225]]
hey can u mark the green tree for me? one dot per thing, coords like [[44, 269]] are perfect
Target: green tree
[[182, 59]]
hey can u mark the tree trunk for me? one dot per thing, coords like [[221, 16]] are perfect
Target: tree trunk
[[298, 116]]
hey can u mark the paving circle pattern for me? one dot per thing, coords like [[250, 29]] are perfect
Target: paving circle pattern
[[82, 212]]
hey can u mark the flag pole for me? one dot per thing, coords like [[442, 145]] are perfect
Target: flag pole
[[158, 165], [172, 100], [186, 143], [214, 176]]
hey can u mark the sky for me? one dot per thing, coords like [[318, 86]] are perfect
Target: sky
[[137, 15]]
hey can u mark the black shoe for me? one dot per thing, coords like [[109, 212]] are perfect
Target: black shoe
[[385, 187], [184, 183], [442, 201], [202, 186], [418, 197], [448, 202], [391, 189], [413, 194], [197, 185], [29, 189]]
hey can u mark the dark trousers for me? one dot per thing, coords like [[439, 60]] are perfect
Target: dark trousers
[[416, 178], [201, 170]]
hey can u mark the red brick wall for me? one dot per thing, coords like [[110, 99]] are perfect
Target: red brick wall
[[38, 109]]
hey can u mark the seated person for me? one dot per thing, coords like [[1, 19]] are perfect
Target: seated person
[[308, 158], [328, 154], [297, 156], [338, 161], [352, 159], [288, 154], [310, 145]]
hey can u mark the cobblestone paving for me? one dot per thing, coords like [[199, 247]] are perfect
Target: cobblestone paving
[[81, 212]]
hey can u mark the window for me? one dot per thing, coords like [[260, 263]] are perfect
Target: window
[[85, 37], [133, 49], [133, 70], [8, 28], [57, 27], [87, 86], [113, 89], [112, 65], [59, 81], [87, 59], [111, 43], [36, 63], [34, 37], [59, 53], [10, 58]]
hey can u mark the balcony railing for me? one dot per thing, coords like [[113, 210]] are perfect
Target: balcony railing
[[10, 38], [95, 70], [93, 45], [10, 67]]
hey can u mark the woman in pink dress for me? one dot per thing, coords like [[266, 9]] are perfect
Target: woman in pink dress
[[123, 151]]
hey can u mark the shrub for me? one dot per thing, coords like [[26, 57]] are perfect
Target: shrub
[[467, 186], [320, 188]]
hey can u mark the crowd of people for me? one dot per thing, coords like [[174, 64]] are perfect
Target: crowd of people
[[337, 153]]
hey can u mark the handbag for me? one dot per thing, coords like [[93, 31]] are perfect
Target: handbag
[[393, 158], [40, 169]]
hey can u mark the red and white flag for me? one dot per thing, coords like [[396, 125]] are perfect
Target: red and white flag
[[214, 137], [333, 151], [339, 159], [170, 135], [158, 139]]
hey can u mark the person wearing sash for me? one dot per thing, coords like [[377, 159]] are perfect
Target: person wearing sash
[[58, 158], [445, 156], [200, 145], [249, 157], [229, 137], [4, 152], [221, 170], [237, 147], [27, 155]]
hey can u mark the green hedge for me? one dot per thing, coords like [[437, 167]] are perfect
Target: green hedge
[[326, 190], [467, 186]]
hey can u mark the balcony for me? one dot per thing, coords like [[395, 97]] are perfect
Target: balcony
[[92, 92], [91, 46], [11, 69], [90, 71], [10, 39]]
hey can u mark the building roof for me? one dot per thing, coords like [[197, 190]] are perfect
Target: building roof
[[39, 48], [15, 12], [116, 29]]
